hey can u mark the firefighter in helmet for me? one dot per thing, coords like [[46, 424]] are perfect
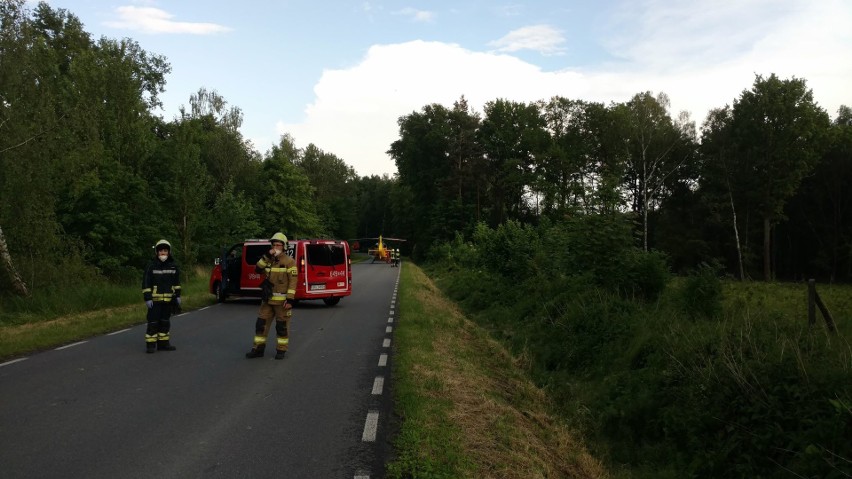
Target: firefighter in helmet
[[277, 293], [160, 288]]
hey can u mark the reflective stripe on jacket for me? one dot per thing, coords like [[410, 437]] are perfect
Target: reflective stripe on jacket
[[161, 280], [281, 271]]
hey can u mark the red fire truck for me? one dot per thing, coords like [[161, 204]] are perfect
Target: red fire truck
[[324, 270]]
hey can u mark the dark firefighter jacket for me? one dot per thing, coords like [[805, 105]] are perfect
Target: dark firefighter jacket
[[161, 281]]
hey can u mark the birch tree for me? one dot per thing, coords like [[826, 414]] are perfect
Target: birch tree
[[657, 150]]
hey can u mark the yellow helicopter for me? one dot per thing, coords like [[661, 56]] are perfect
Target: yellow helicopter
[[381, 251]]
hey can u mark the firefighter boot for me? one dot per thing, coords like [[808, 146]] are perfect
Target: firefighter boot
[[280, 354], [150, 347], [256, 352], [163, 343]]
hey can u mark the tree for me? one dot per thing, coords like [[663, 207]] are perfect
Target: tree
[[569, 170], [778, 128], [423, 161], [334, 191], [657, 150], [718, 183], [820, 211], [18, 284], [224, 152], [287, 205], [514, 140]]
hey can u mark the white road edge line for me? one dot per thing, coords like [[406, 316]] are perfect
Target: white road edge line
[[71, 345], [389, 329], [370, 427], [12, 362], [118, 332], [386, 343], [390, 320], [383, 360], [378, 384]]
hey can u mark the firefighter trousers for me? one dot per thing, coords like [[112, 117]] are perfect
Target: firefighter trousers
[[269, 312], [159, 322]]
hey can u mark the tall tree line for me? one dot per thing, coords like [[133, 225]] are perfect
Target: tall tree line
[[757, 189], [91, 178]]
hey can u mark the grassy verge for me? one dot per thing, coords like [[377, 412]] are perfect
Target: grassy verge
[[468, 409], [39, 327], [721, 381]]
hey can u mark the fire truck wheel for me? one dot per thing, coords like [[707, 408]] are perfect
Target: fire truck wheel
[[331, 301]]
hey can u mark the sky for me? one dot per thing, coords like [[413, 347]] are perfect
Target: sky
[[339, 74]]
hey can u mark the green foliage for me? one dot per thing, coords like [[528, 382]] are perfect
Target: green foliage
[[643, 275], [455, 253], [507, 250], [700, 294], [752, 394], [287, 204], [333, 187]]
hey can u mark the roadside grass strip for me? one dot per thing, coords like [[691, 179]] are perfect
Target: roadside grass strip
[[467, 408]]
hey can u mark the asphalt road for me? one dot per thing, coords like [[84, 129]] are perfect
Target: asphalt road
[[104, 409]]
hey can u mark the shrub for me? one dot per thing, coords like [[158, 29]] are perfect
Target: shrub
[[643, 275], [507, 250], [701, 293]]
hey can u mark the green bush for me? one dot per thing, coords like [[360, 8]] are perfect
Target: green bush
[[507, 250], [701, 293], [643, 275], [753, 394]]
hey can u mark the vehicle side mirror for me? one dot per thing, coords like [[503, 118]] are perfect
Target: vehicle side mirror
[[216, 261]]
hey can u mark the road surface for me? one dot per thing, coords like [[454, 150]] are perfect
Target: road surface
[[102, 408]]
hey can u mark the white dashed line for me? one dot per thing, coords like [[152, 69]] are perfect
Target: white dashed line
[[386, 343], [391, 311], [378, 384], [389, 329], [71, 345], [118, 332], [12, 362], [390, 320], [383, 360], [370, 426], [362, 476]]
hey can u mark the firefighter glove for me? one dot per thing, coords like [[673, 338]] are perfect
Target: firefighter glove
[[149, 303]]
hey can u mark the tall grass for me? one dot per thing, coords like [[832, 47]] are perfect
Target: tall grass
[[49, 319], [709, 378], [468, 410]]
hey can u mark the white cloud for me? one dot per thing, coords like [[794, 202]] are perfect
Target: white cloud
[[154, 20], [511, 10], [416, 15], [541, 38], [355, 110]]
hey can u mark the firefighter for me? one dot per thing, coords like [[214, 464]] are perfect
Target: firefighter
[[277, 293], [392, 254], [160, 288], [396, 257]]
